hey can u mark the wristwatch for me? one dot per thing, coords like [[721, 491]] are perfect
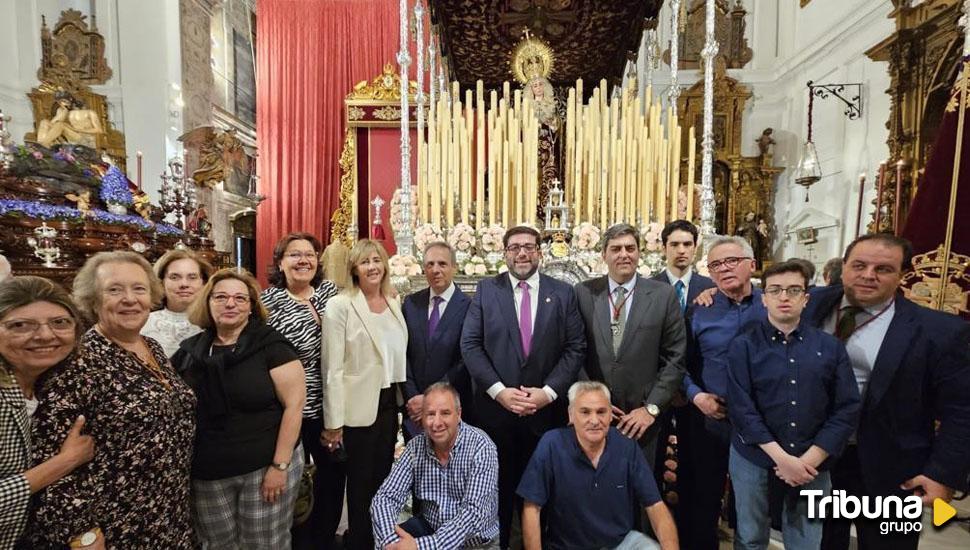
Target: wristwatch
[[86, 539], [281, 466], [653, 410]]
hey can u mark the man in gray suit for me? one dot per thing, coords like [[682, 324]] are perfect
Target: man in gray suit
[[636, 339]]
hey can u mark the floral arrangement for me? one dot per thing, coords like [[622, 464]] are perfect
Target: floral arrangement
[[404, 265], [701, 267], [31, 159], [650, 234], [426, 234], [643, 267], [586, 237], [491, 238], [475, 266], [48, 212], [397, 223], [462, 237], [114, 188], [592, 263]]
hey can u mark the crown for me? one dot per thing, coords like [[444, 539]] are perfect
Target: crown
[[531, 58]]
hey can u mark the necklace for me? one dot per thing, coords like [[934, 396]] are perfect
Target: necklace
[[148, 360], [299, 298]]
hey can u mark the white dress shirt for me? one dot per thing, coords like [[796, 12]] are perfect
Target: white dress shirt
[[685, 279], [864, 343], [445, 300], [629, 286]]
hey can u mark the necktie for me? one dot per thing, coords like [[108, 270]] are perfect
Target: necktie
[[525, 318], [619, 302], [681, 294], [847, 322], [435, 315]]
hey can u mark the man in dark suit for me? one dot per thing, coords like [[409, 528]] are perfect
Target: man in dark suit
[[636, 337], [523, 344], [679, 239], [434, 317], [913, 369]]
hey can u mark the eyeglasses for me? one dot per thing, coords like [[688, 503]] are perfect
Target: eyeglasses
[[527, 248], [791, 291], [26, 327], [730, 262], [223, 299], [297, 256]]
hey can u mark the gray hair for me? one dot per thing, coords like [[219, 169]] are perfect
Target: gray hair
[[87, 283], [719, 240], [440, 244], [618, 230], [586, 386], [444, 387]]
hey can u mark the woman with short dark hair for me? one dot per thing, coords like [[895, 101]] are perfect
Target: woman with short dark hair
[[39, 329]]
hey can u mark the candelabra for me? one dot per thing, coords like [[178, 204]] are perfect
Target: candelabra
[[6, 143], [44, 244], [709, 53], [178, 193]]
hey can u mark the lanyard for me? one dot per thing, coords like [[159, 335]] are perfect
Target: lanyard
[[838, 317], [617, 308]]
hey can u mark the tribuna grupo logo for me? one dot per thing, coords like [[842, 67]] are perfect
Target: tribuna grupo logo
[[899, 514]]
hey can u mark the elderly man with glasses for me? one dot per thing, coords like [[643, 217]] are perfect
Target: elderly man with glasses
[[704, 437]]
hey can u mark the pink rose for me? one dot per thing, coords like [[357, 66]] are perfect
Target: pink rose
[[37, 155]]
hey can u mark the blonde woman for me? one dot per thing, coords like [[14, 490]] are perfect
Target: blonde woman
[[364, 344]]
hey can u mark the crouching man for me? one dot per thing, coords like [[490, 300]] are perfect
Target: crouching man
[[592, 482], [451, 470]]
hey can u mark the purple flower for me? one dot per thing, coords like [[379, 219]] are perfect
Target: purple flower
[[114, 188], [69, 157], [37, 155]]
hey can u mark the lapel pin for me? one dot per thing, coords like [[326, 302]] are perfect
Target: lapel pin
[[548, 300]]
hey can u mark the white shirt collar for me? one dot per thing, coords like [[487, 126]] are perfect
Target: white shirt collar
[[686, 278], [533, 281], [871, 310], [629, 285], [446, 295]]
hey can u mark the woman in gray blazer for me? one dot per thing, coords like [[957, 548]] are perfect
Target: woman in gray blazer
[[364, 364], [39, 330]]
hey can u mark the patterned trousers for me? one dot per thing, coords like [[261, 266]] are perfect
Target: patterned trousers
[[231, 513]]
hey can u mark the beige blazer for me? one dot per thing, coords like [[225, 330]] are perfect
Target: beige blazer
[[353, 368]]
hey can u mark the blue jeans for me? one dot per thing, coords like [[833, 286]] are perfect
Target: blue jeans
[[750, 483]]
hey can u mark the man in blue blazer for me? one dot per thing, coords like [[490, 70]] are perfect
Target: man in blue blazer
[[434, 317], [523, 344], [912, 365]]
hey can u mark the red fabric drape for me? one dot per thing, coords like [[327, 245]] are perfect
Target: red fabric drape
[[310, 53]]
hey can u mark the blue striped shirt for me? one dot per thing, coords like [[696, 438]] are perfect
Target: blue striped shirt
[[459, 499]]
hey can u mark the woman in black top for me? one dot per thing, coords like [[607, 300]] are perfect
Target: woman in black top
[[296, 302], [250, 388]]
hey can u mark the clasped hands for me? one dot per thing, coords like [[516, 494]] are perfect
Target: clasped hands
[[523, 401]]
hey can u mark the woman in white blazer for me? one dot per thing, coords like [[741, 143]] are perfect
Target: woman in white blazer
[[364, 363]]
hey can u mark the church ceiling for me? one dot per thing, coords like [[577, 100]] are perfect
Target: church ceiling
[[590, 38]]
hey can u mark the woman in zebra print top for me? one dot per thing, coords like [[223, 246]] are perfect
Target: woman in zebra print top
[[296, 302]]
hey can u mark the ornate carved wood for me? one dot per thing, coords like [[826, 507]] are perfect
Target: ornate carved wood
[[923, 56], [729, 26], [74, 47]]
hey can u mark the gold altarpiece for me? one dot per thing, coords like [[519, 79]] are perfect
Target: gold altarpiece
[[742, 184], [924, 57]]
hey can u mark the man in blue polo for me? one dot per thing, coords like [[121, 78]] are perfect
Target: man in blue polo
[[592, 482]]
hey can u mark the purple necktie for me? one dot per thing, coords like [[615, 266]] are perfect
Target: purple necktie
[[525, 318], [435, 315]]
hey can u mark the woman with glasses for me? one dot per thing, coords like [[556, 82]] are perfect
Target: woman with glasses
[[296, 302], [39, 331], [140, 413], [182, 274], [249, 383], [364, 341]]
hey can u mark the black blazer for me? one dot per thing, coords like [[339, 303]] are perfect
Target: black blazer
[[492, 348], [921, 374], [698, 284], [436, 359]]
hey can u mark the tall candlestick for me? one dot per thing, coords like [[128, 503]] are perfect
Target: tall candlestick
[[862, 193], [899, 195], [882, 182], [138, 171]]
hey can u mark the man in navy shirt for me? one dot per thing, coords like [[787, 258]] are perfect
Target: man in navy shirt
[[703, 440], [592, 482], [793, 403]]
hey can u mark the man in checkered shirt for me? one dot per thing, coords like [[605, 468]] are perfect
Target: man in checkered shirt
[[451, 470]]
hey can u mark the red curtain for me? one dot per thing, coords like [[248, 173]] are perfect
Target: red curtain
[[310, 53]]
